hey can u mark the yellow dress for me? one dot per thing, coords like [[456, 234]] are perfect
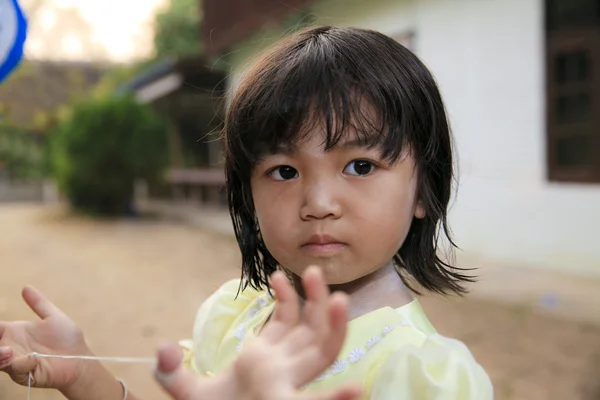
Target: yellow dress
[[394, 353]]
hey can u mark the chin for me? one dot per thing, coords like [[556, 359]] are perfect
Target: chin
[[336, 275], [333, 274], [341, 276]]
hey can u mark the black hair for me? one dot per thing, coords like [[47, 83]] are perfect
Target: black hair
[[342, 77]]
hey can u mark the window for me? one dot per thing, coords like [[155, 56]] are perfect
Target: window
[[573, 90]]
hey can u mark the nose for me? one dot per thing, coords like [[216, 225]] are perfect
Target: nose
[[321, 200]]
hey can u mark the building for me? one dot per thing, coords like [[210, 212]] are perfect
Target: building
[[521, 84], [32, 96], [188, 93]]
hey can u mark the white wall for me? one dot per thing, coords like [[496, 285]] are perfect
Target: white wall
[[488, 59]]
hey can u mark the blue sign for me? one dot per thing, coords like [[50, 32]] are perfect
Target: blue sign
[[13, 32]]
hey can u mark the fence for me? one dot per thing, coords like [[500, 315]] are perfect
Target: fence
[[37, 191]]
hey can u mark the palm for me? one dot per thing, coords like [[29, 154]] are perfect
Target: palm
[[292, 349], [289, 352], [54, 334]]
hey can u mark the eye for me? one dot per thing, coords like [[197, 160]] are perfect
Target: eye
[[359, 168], [283, 173]]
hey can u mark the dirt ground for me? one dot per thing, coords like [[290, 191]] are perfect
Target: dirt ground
[[132, 283]]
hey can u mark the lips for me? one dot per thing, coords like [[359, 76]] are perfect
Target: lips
[[322, 245], [322, 239]]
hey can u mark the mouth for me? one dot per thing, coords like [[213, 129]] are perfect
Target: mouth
[[323, 245]]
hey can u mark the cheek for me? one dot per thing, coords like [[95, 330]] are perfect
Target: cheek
[[393, 223], [276, 232], [274, 216], [388, 218], [270, 224]]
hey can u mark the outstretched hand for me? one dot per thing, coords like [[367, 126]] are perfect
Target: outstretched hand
[[54, 333], [291, 351]]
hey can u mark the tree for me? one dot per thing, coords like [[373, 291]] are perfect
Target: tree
[[177, 29], [102, 148], [21, 153]]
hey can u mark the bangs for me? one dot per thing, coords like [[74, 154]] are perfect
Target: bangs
[[327, 86], [343, 115]]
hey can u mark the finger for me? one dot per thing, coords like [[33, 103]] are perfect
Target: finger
[[6, 354], [179, 383], [39, 303], [315, 322], [20, 368], [338, 324], [3, 326], [286, 314], [317, 294], [317, 355]]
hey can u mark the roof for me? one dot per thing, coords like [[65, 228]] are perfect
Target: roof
[[194, 72], [158, 70], [227, 22], [37, 88]]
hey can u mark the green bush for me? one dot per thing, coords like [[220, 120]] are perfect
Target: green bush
[[21, 153], [104, 145]]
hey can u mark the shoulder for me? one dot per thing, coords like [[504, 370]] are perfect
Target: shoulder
[[214, 318], [438, 368], [224, 304]]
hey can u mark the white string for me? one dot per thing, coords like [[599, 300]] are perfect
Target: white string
[[90, 358], [29, 378]]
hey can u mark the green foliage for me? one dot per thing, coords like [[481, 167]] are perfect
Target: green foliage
[[21, 153], [177, 30], [104, 145]]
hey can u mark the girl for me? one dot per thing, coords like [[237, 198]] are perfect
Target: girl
[[338, 155]]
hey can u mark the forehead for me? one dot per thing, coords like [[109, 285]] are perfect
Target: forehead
[[325, 142]]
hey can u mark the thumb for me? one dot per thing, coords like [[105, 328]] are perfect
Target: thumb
[[20, 368], [39, 303], [179, 383]]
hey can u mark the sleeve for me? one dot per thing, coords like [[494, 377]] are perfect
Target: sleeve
[[213, 319], [440, 369]]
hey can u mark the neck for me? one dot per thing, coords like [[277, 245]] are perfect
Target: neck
[[382, 288]]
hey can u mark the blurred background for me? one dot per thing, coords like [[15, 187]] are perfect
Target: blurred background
[[111, 182]]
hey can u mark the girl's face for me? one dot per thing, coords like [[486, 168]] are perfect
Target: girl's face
[[345, 210]]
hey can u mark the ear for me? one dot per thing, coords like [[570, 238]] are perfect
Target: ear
[[419, 210]]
